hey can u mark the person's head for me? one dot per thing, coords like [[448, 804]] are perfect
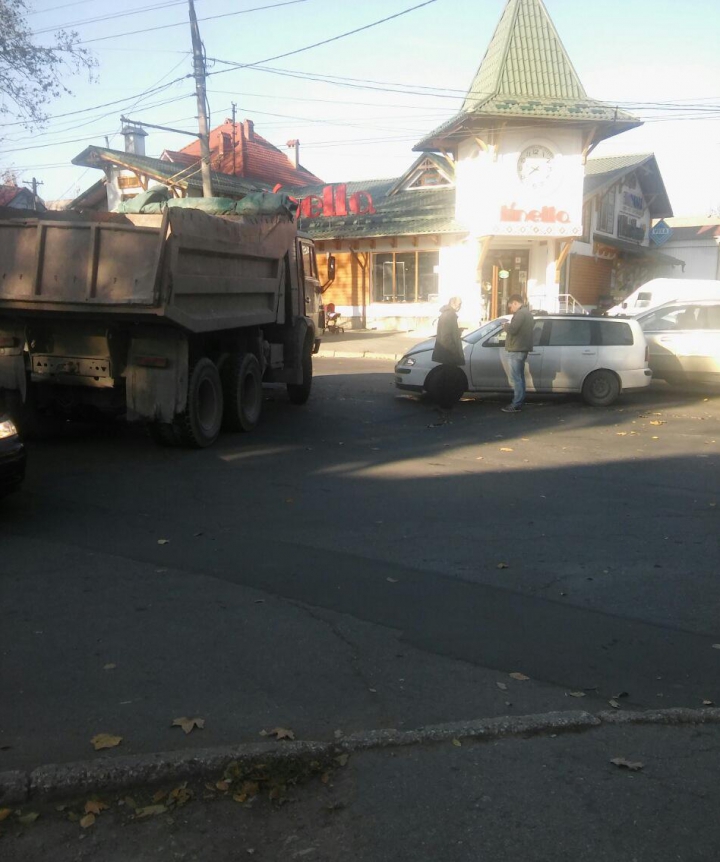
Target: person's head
[[515, 302], [455, 302]]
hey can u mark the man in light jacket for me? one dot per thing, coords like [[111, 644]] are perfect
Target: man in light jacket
[[518, 344]]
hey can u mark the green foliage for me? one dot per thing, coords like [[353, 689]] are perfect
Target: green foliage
[[32, 75]]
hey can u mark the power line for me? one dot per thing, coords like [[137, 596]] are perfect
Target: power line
[[327, 41], [184, 23], [134, 11]]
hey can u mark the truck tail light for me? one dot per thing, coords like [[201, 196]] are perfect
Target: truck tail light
[[8, 341], [152, 361]]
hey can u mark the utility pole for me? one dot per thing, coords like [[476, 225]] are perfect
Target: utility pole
[[34, 183], [234, 141], [199, 74]]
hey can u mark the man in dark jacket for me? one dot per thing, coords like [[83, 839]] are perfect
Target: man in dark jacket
[[518, 344], [449, 382], [448, 344]]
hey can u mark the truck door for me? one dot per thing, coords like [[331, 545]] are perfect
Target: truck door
[[310, 281]]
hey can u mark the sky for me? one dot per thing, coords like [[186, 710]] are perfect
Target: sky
[[359, 103]]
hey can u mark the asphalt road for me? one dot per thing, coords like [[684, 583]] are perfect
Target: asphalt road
[[360, 563]]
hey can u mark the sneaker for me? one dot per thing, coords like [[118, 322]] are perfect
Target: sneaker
[[510, 409]]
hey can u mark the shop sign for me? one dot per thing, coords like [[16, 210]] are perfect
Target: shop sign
[[334, 201], [661, 232], [546, 215]]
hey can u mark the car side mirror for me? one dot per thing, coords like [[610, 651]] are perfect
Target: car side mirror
[[331, 267]]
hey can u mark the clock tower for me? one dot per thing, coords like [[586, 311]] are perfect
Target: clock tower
[[519, 143]]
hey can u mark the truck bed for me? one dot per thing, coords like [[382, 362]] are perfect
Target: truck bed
[[186, 267]]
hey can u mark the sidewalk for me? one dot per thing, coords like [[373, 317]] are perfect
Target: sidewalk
[[578, 788], [371, 344]]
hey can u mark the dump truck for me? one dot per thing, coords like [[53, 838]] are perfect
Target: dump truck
[[175, 319]]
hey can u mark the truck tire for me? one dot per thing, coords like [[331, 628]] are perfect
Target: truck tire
[[242, 391], [199, 424], [601, 388], [298, 393]]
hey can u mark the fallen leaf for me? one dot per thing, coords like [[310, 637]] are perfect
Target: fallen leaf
[[94, 806], [5, 813], [180, 795], [457, 743], [87, 821], [27, 819], [501, 685], [622, 763], [189, 724], [282, 733], [129, 802], [505, 449], [503, 566], [159, 796], [716, 646], [109, 667], [519, 676], [150, 811], [614, 704], [325, 778], [105, 740], [163, 541], [576, 693], [338, 734], [621, 433], [392, 580], [222, 786], [658, 422], [708, 703], [342, 759]]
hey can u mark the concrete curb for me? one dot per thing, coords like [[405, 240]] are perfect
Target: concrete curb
[[366, 354], [108, 775]]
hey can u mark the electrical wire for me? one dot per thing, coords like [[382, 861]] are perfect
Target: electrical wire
[[184, 23], [134, 11]]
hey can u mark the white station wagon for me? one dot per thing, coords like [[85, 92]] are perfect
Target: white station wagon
[[598, 357]]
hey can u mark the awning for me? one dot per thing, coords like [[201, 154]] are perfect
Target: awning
[[637, 250]]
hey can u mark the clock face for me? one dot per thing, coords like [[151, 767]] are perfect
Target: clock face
[[535, 165]]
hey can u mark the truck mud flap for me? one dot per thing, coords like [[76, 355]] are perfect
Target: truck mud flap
[[156, 378]]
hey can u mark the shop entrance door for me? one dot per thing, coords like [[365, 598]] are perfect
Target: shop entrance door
[[505, 272]]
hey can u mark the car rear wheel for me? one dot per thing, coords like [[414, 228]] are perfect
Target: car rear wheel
[[601, 388]]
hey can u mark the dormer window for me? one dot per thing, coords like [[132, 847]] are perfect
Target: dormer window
[[429, 178]]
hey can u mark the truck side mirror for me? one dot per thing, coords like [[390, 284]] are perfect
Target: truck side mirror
[[331, 267]]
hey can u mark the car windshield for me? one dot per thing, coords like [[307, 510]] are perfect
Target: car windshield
[[478, 334]]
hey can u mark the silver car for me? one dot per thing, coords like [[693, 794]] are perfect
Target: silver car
[[598, 357], [684, 340]]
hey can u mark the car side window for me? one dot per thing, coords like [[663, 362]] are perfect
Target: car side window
[[712, 317], [497, 340], [614, 334], [664, 320], [570, 333]]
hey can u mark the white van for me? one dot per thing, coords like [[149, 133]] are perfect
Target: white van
[[660, 290]]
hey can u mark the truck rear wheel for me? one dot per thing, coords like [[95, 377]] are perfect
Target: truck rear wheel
[[299, 393], [199, 424], [242, 388]]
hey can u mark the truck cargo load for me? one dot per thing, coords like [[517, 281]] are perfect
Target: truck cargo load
[[175, 318]]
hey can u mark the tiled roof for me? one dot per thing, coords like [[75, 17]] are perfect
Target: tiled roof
[[525, 59], [255, 157], [601, 173], [8, 194], [166, 172], [405, 213], [526, 73]]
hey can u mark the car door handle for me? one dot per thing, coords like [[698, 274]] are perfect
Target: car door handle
[[589, 352]]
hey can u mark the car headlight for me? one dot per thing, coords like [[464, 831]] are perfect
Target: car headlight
[[407, 360], [7, 429]]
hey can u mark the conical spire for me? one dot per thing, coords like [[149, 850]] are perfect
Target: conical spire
[[525, 59], [527, 74]]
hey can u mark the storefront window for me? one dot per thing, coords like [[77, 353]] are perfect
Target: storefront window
[[405, 276]]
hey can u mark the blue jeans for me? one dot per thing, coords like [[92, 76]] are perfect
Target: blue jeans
[[517, 376]]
